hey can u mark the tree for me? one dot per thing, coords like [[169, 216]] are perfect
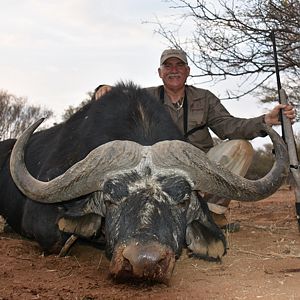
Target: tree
[[16, 115], [231, 38]]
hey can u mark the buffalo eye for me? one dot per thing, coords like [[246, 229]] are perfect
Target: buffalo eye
[[114, 191], [184, 203], [178, 189]]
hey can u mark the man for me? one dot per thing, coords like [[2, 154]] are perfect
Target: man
[[196, 110]]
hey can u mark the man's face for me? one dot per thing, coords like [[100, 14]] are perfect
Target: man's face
[[174, 73]]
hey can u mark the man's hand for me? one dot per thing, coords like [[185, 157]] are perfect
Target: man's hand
[[272, 118], [102, 91]]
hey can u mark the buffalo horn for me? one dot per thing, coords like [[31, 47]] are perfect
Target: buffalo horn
[[207, 176], [84, 177]]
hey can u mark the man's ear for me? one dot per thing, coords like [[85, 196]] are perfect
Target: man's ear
[[159, 72], [189, 69]]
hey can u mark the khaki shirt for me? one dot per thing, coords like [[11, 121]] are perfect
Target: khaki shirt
[[206, 111]]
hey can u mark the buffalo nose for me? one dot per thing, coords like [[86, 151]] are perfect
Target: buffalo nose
[[138, 254], [147, 260]]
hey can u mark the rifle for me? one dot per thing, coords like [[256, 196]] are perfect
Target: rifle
[[287, 134]]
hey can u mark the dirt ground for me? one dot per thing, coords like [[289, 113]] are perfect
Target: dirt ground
[[263, 262]]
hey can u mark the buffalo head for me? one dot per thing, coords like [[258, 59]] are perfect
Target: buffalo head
[[148, 197]]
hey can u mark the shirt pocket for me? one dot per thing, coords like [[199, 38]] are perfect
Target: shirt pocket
[[197, 114]]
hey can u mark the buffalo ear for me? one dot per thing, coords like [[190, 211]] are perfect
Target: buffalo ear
[[203, 237], [87, 226], [205, 243], [84, 217]]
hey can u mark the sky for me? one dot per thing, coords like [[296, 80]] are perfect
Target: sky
[[55, 52]]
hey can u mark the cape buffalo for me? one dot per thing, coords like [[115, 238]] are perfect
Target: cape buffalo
[[120, 171]]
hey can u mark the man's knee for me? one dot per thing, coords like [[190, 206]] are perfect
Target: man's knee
[[235, 155]]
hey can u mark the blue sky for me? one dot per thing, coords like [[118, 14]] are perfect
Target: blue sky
[[54, 52]]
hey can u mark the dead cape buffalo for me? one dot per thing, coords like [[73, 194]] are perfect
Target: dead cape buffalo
[[120, 171]]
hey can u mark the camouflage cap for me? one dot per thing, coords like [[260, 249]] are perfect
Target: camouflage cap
[[180, 54]]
